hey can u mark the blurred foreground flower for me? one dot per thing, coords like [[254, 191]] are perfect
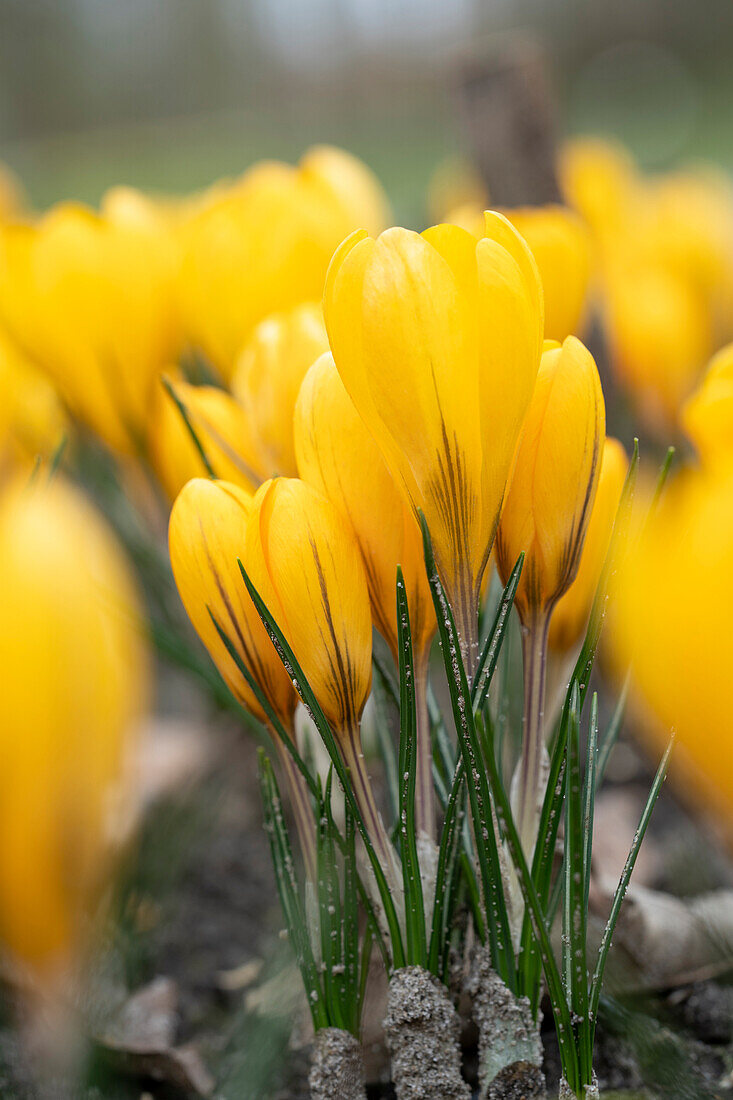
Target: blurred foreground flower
[[437, 339], [90, 298], [262, 245], [675, 608], [74, 686]]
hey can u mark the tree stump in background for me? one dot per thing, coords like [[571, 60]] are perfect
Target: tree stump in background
[[507, 116]]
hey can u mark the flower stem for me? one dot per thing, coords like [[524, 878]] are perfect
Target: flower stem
[[353, 755], [301, 808], [425, 791], [534, 651]]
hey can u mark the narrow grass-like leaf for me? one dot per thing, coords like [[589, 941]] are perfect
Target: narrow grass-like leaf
[[282, 859], [575, 970], [311, 704], [661, 482], [597, 982], [584, 664], [350, 911], [561, 1012], [57, 457], [612, 733], [496, 916], [170, 390], [589, 796], [492, 645], [415, 944], [447, 859], [329, 907], [385, 740]]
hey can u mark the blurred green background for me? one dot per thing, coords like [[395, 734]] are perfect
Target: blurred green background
[[169, 94]]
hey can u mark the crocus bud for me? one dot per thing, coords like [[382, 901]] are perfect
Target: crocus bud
[[221, 428], [560, 244], [348, 186], [74, 687], [570, 614], [337, 456], [267, 379], [708, 415], [550, 497], [304, 562], [437, 338], [206, 535], [674, 607]]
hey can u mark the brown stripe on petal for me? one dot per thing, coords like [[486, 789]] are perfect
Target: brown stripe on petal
[[343, 673]]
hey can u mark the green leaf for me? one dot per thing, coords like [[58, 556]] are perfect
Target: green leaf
[[412, 883], [497, 920], [492, 645], [450, 839], [170, 390], [385, 740], [597, 982], [311, 704], [612, 733], [575, 972], [282, 860], [561, 1012], [589, 795]]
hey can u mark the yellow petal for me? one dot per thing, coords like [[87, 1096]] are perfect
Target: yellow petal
[[339, 458], [267, 379], [549, 500], [570, 614], [707, 416], [207, 534], [297, 541], [222, 429]]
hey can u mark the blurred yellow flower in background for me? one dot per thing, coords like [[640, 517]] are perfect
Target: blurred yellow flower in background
[[600, 181], [267, 379], [74, 686], [674, 615], [262, 245], [437, 338], [570, 614], [32, 419], [707, 416], [221, 428], [90, 299]]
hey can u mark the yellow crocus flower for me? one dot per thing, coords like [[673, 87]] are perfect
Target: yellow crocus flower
[[599, 180], [348, 185], [337, 455], [570, 614], [91, 301], [674, 607], [262, 245], [550, 497], [546, 513], [437, 338], [206, 536], [221, 427], [707, 417], [267, 379], [660, 337], [560, 244], [74, 685], [32, 419]]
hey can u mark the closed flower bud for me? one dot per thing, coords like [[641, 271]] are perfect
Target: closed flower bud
[[570, 615], [74, 687], [348, 185], [437, 338], [561, 246], [262, 245], [91, 300], [266, 382], [304, 562], [206, 535], [337, 456], [550, 497], [221, 428], [708, 415]]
